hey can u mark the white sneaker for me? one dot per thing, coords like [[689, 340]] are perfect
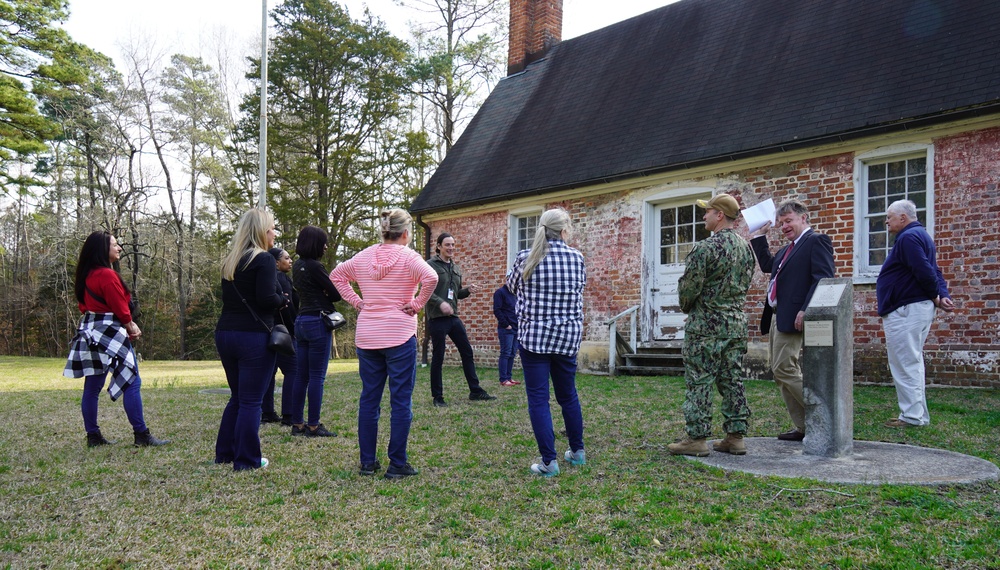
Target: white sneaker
[[550, 470], [576, 458]]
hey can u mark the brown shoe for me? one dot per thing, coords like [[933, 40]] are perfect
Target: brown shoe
[[689, 446], [792, 435], [732, 444], [898, 423]]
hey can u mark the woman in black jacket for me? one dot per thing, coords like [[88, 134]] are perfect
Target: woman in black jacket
[[249, 299], [313, 340]]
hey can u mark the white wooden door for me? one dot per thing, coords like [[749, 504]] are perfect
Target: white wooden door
[[677, 225]]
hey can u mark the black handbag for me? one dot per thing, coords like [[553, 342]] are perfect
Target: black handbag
[[279, 339], [333, 320]]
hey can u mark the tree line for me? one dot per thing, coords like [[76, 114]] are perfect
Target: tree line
[[163, 153]]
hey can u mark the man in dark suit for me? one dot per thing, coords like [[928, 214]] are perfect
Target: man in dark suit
[[795, 271]]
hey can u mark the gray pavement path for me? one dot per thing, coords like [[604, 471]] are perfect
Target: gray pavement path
[[871, 463]]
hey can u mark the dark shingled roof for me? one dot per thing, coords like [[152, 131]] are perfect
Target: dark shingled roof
[[704, 81]]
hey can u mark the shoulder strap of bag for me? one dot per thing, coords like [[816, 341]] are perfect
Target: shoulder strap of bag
[[96, 297], [249, 308]]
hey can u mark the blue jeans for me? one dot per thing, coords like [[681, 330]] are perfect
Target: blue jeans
[[312, 350], [399, 365], [131, 399], [289, 365], [537, 369], [452, 327], [508, 350], [248, 365]]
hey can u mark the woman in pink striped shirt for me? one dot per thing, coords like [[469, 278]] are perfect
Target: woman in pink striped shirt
[[388, 275]]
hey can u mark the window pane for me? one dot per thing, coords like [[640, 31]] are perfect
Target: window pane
[[876, 171], [684, 234], [666, 255], [897, 168], [876, 205], [916, 166], [683, 251], [667, 236], [917, 183], [876, 224], [877, 240], [667, 217], [685, 215], [876, 257], [876, 188], [896, 189], [920, 199]]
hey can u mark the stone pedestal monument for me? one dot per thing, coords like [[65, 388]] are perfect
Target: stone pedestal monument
[[828, 369]]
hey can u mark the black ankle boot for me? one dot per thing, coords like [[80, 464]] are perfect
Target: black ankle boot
[[95, 439], [146, 439]]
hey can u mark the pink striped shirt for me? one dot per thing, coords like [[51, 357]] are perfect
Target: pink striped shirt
[[388, 276]]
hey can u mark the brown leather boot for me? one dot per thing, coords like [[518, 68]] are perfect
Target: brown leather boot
[[732, 444], [689, 446]]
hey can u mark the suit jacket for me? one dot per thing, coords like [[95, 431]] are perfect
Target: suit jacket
[[811, 260]]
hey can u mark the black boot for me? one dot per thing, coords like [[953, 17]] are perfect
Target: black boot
[[95, 439], [146, 439]]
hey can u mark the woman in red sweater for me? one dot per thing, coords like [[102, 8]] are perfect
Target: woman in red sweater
[[103, 341]]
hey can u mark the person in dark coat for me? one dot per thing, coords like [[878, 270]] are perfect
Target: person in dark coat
[[286, 362], [795, 271]]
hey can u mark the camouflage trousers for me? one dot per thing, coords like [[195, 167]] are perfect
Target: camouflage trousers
[[718, 361]]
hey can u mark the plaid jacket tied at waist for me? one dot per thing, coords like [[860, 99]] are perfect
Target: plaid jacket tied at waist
[[101, 345]]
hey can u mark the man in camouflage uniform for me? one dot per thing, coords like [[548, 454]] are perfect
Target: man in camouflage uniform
[[712, 292]]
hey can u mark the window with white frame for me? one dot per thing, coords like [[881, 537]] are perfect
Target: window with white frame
[[522, 233], [885, 177]]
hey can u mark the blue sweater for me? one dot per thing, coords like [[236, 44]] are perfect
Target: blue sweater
[[910, 273], [505, 308]]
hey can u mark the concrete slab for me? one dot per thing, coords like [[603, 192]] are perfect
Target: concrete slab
[[872, 463]]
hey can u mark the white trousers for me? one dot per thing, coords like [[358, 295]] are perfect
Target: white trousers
[[906, 330]]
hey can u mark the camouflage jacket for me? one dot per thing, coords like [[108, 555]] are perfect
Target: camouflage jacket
[[714, 286]]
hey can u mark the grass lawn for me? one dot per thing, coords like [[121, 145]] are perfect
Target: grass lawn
[[474, 504]]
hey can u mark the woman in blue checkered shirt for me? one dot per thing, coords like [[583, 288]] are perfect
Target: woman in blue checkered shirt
[[548, 280]]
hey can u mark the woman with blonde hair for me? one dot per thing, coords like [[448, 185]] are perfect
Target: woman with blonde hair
[[395, 283], [548, 280], [249, 299]]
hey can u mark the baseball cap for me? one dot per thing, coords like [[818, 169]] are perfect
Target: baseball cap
[[723, 203]]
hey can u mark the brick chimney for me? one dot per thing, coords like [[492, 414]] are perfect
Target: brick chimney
[[535, 26]]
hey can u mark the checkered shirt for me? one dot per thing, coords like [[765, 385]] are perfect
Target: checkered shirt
[[550, 303], [102, 345]]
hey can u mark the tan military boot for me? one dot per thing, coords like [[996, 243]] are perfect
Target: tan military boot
[[689, 446], [732, 444]]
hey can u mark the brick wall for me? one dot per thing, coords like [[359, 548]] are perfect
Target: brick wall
[[963, 347]]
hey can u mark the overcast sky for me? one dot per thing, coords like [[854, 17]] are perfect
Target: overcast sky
[[182, 26]]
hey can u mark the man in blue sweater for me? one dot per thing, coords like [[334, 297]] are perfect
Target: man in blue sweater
[[909, 287]]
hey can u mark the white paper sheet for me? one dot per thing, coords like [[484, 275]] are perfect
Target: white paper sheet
[[758, 215]]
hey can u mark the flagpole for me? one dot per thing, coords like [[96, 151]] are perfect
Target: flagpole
[[262, 146]]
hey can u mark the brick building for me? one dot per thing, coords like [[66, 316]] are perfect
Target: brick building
[[846, 105]]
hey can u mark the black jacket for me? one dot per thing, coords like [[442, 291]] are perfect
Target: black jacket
[[811, 260], [316, 292]]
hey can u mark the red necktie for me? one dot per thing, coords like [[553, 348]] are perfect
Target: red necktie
[[774, 288]]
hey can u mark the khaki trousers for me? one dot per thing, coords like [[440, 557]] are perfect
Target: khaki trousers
[[785, 349]]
